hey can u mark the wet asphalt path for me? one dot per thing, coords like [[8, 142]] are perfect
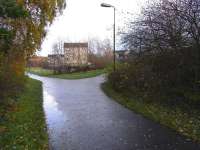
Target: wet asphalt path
[[81, 117]]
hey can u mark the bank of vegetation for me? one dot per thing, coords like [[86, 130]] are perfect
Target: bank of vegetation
[[162, 77], [74, 75], [22, 122], [22, 29]]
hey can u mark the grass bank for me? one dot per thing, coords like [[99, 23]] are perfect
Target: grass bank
[[75, 75], [23, 126], [40, 71], [184, 121]]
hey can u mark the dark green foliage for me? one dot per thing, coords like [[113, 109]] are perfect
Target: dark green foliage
[[9, 8], [22, 30], [168, 76], [165, 48], [5, 40], [120, 79]]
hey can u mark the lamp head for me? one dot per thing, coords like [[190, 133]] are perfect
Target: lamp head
[[106, 5]]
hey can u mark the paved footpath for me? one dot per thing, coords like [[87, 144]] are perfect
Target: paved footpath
[[81, 117]]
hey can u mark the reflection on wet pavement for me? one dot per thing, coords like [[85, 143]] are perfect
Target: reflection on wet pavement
[[81, 117], [54, 117]]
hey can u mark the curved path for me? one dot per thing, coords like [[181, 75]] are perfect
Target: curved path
[[81, 117]]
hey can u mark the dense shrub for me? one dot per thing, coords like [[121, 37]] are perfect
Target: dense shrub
[[168, 75], [22, 28], [99, 61], [120, 79], [165, 43]]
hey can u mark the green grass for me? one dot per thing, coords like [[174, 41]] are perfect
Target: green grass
[[75, 75], [24, 124], [79, 75], [183, 121], [40, 71]]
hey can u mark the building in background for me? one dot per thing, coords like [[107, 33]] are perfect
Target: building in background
[[36, 61], [122, 55], [55, 60], [75, 54]]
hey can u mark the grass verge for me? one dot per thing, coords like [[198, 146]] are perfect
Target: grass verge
[[79, 75], [40, 71], [183, 121], [23, 126], [75, 75]]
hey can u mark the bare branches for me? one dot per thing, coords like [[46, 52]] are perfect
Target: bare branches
[[166, 38], [169, 24]]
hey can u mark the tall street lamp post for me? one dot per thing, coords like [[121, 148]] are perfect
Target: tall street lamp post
[[111, 6]]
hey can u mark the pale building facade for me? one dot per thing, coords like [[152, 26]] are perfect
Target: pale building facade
[[75, 54], [55, 60]]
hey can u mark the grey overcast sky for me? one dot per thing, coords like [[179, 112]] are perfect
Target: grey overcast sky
[[85, 19]]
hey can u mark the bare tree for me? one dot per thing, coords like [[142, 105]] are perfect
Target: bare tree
[[58, 56], [100, 47], [168, 32], [100, 52]]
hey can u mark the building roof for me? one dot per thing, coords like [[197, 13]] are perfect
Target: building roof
[[122, 51], [55, 55], [66, 45], [37, 57]]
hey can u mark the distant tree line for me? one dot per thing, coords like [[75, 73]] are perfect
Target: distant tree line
[[165, 44], [99, 56], [22, 28], [100, 53]]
